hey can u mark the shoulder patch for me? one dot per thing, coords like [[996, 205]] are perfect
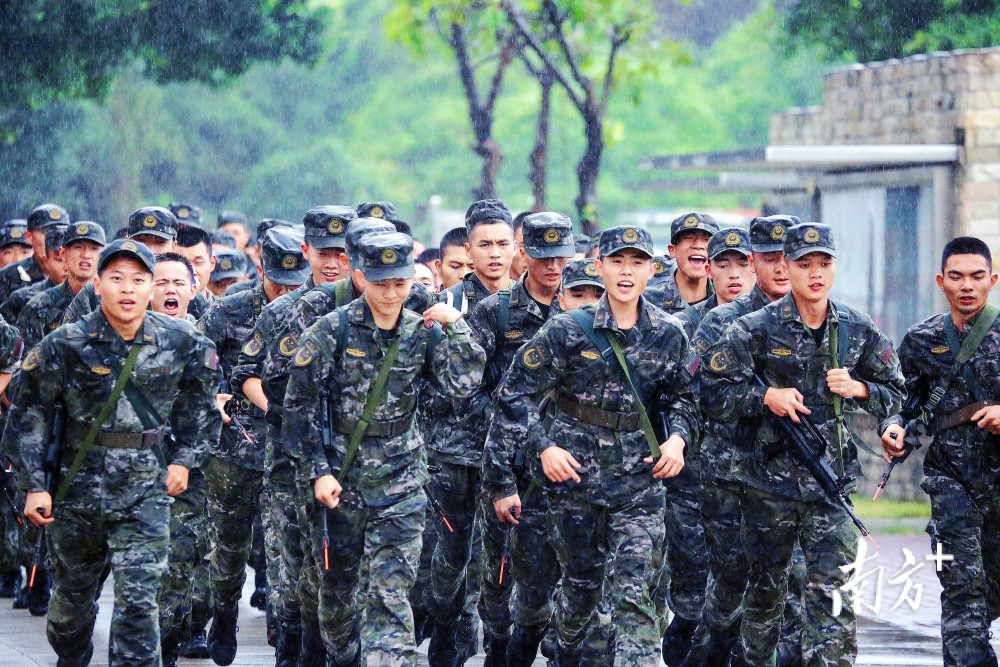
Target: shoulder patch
[[354, 352], [719, 360], [692, 365], [590, 354], [306, 353], [33, 360], [884, 351], [211, 359], [534, 356], [939, 350], [255, 345], [287, 345]]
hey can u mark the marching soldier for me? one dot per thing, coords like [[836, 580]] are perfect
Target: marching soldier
[[32, 270]]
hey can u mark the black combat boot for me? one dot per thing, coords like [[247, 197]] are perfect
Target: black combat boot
[[443, 649], [566, 658], [496, 651], [312, 651], [523, 645], [196, 646], [259, 598], [222, 635], [10, 581], [677, 640], [81, 661], [286, 653], [38, 595], [713, 649], [20, 598]]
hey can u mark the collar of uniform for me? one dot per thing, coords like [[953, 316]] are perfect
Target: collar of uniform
[[758, 298], [361, 314], [64, 287], [521, 298], [96, 327], [789, 311], [473, 287], [605, 319]]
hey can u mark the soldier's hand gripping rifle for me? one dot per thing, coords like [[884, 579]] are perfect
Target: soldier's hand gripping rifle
[[806, 443], [914, 428], [236, 421], [508, 536], [50, 465]]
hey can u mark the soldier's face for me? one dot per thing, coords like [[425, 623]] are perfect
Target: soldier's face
[[125, 287], [454, 265], [772, 273], [573, 297], [202, 261], [691, 253], [966, 282], [732, 274], [81, 259], [425, 276], [546, 272], [172, 289], [55, 266], [15, 252], [625, 274], [491, 248], [239, 232], [219, 287], [386, 297], [812, 276], [155, 243], [520, 263], [273, 290], [325, 263]]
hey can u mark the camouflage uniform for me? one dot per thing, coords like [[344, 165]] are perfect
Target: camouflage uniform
[[381, 513], [127, 520], [15, 303], [10, 529], [781, 501], [28, 271], [44, 312], [962, 471]]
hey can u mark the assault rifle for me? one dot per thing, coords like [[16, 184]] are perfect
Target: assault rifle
[[50, 465]]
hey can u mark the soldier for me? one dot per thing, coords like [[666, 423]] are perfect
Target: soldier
[[234, 470], [949, 361], [502, 324], [810, 356], [173, 286], [81, 245], [230, 268], [455, 262], [719, 493], [55, 274], [455, 456], [581, 284], [253, 251], [603, 493], [689, 235], [111, 502], [14, 243], [730, 269], [518, 266], [32, 270], [377, 209], [235, 222], [188, 216], [10, 529], [379, 503]]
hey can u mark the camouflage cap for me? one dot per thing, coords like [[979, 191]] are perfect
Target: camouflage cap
[[270, 223], [663, 266], [327, 225], [55, 237], [47, 214], [186, 214], [487, 209], [227, 217], [229, 263], [548, 234], [386, 256], [358, 229], [730, 239], [807, 237], [153, 220], [692, 222], [767, 233], [126, 248], [582, 242], [221, 237], [281, 256], [377, 209], [619, 238], [580, 272], [14, 232], [85, 230]]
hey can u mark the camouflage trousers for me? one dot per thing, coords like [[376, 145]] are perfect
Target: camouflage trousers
[[721, 518], [188, 549], [967, 528], [364, 595], [453, 592], [233, 504], [771, 527], [132, 530], [686, 555], [535, 569], [10, 536], [283, 544], [584, 537]]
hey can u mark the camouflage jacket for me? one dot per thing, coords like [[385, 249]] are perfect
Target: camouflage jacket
[[18, 275], [713, 455], [965, 453], [43, 314], [176, 370], [87, 301], [386, 468], [11, 345], [242, 286], [775, 343], [452, 437], [15, 303], [666, 296], [691, 316], [228, 323], [561, 359]]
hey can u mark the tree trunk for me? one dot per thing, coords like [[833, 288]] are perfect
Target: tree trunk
[[538, 161], [489, 150], [588, 169]]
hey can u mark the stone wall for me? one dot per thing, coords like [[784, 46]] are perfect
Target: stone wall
[[943, 98]]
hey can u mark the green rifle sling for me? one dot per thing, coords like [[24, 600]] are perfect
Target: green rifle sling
[[647, 426]]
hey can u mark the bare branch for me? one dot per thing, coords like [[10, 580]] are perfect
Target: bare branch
[[618, 40], [465, 71], [568, 55], [507, 53]]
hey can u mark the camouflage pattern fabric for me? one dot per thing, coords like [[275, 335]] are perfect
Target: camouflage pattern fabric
[[15, 303], [117, 505], [43, 313], [18, 275]]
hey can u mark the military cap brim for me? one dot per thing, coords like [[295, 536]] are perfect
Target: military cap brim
[[767, 247], [547, 252], [324, 242], [799, 253], [375, 274]]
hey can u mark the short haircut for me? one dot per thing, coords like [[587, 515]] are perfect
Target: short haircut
[[189, 237], [122, 233], [175, 257], [519, 220], [458, 236], [402, 227], [429, 255], [966, 245]]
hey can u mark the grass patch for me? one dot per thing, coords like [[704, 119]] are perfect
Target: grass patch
[[891, 509]]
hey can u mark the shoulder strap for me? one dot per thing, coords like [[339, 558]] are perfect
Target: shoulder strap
[[341, 295], [965, 351], [102, 416], [837, 361], [504, 315], [375, 397], [586, 322]]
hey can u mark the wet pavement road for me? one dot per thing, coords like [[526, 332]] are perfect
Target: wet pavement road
[[903, 636]]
